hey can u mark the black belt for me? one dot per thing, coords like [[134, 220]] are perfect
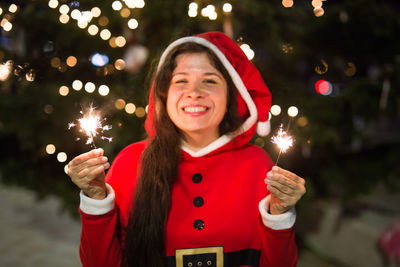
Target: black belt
[[213, 257]]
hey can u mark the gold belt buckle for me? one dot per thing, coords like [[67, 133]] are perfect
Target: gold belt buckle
[[200, 257]]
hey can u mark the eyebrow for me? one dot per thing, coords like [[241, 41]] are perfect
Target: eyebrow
[[206, 74]]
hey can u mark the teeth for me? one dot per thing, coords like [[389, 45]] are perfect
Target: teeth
[[194, 109]]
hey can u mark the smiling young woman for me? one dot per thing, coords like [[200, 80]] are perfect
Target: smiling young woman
[[193, 193]]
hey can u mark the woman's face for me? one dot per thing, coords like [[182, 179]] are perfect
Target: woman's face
[[197, 97]]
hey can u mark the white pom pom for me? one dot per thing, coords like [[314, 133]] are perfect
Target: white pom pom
[[263, 128]]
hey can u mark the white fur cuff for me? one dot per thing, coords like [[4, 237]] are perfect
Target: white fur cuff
[[95, 206], [276, 222]]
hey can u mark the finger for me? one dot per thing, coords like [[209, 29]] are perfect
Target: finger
[[90, 172], [90, 163], [281, 187], [86, 156], [288, 174], [282, 179]]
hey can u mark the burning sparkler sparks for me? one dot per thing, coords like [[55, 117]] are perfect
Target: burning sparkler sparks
[[91, 124], [283, 140]]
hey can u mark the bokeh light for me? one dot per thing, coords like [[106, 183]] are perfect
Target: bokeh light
[[99, 60], [48, 109], [120, 41], [13, 8], [287, 3], [90, 87], [64, 18], [64, 9], [93, 29], [116, 5], [95, 11], [125, 12], [77, 85], [120, 104], [293, 111], [133, 24], [119, 64], [130, 108], [227, 8], [62, 157], [323, 87], [140, 112], [104, 90], [55, 62], [103, 21], [50, 149], [302, 121], [64, 90], [275, 110], [53, 3], [71, 61]]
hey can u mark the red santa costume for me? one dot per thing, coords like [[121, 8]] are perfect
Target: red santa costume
[[219, 202]]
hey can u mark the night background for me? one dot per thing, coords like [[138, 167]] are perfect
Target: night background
[[338, 64]]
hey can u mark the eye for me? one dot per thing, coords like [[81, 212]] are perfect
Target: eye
[[211, 81], [180, 81]]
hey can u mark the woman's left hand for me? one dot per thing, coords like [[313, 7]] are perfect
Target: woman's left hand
[[286, 189]]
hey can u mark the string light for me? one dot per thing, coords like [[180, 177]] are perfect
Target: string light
[[61, 156], [120, 41], [293, 111], [64, 9], [1, 11], [5, 70], [75, 14], [50, 149], [120, 104], [248, 51], [64, 90], [119, 64], [130, 108], [116, 5], [90, 87], [192, 12], [133, 24], [104, 90], [13, 8], [140, 112], [71, 61], [64, 18], [7, 26], [105, 34], [53, 3], [287, 3], [227, 8], [103, 21], [125, 12], [77, 85], [93, 29], [96, 12], [275, 110]]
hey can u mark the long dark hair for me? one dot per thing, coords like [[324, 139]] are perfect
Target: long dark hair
[[145, 233]]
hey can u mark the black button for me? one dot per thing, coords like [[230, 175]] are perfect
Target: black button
[[198, 201], [197, 178], [198, 224]]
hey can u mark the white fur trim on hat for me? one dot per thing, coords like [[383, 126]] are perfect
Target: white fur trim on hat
[[263, 128]]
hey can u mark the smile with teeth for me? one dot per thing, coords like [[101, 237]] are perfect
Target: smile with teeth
[[195, 109]]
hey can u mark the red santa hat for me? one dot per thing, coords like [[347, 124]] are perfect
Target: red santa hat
[[254, 98]]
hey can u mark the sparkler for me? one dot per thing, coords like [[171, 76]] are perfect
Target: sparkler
[[91, 124], [283, 140]]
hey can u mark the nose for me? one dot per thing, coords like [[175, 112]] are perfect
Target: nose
[[194, 91]]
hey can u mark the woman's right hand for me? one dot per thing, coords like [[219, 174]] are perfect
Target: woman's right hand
[[87, 172]]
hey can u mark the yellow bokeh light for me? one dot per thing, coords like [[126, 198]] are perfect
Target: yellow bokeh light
[[96, 12], [53, 3], [1, 11], [90, 87], [71, 61], [133, 24], [275, 110], [120, 104], [112, 43], [104, 90], [193, 6], [125, 12], [287, 3], [119, 64], [66, 168], [302, 121], [62, 157], [105, 34], [48, 109], [192, 13], [13, 8], [120, 41], [103, 21], [130, 108], [64, 18], [316, 3], [77, 85], [50, 149], [93, 29], [293, 111], [64, 9], [82, 23], [64, 90], [116, 5], [319, 11], [55, 62], [75, 14], [7, 26], [140, 112]]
